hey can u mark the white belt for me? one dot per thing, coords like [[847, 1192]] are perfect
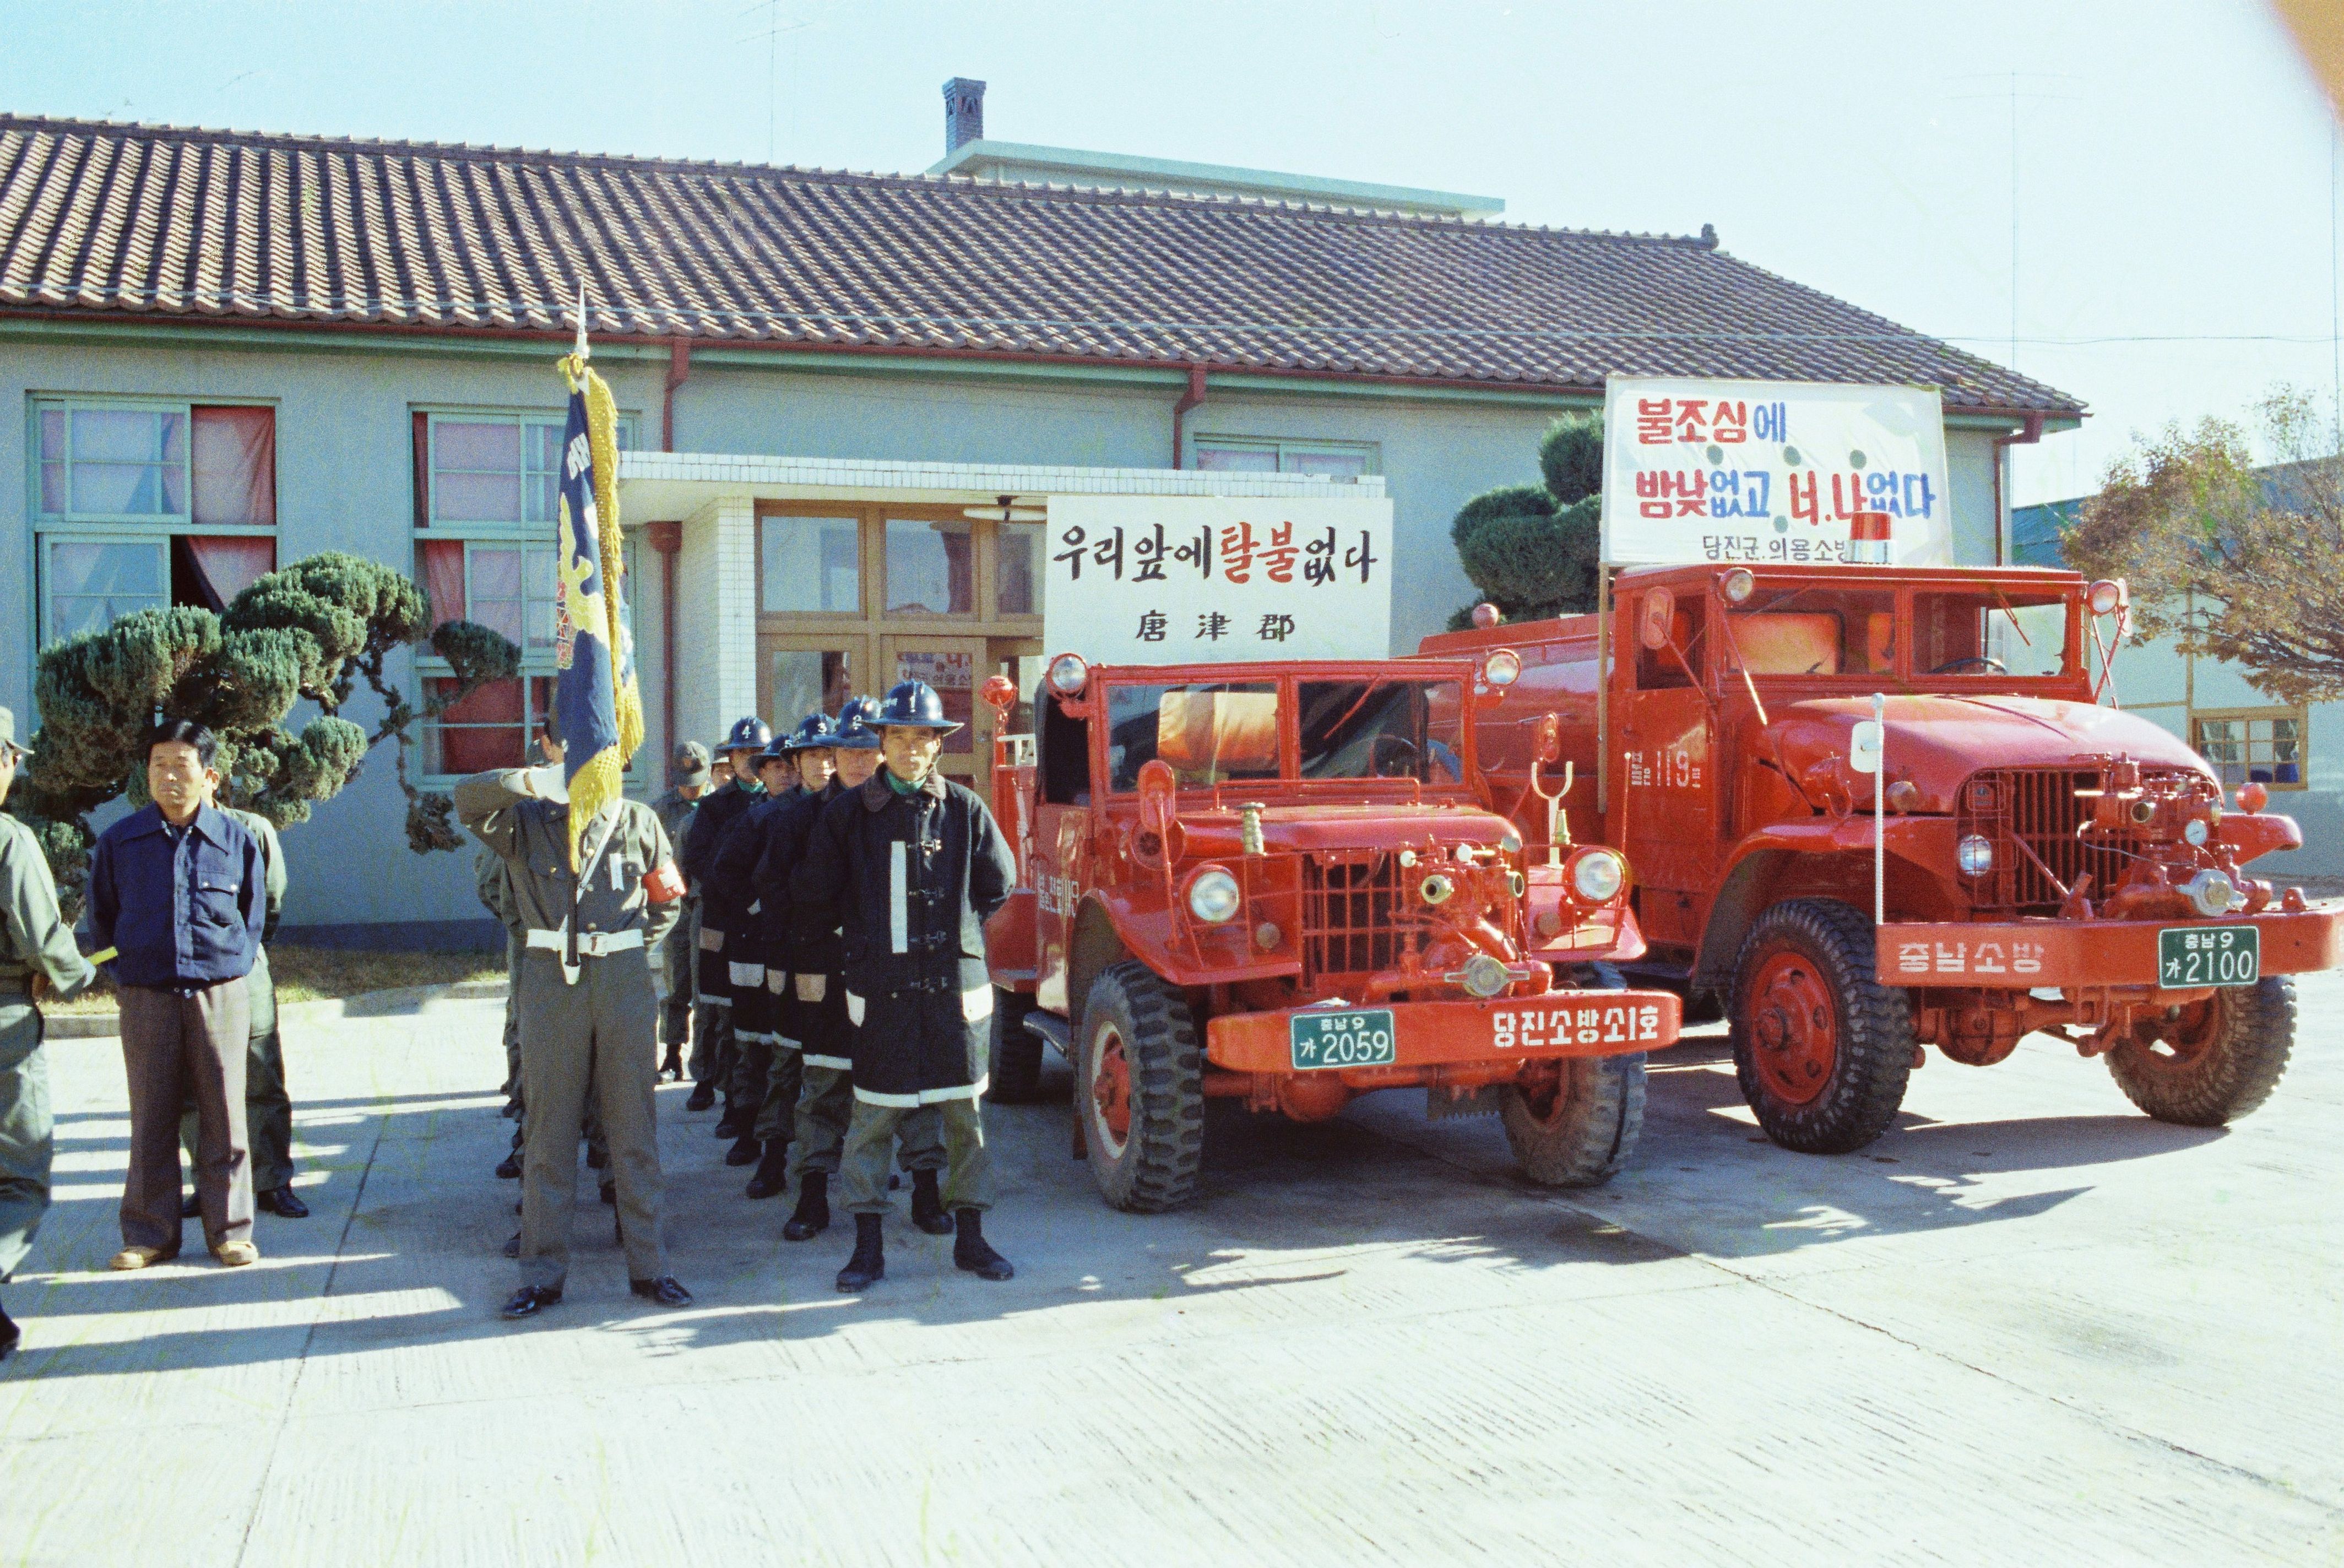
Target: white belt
[[590, 944]]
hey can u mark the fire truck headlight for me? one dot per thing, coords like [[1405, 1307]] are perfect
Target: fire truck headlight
[[1502, 668], [1484, 976], [2105, 597], [2195, 831], [1739, 585], [2212, 893], [1974, 855], [1597, 875], [1213, 897], [1068, 674]]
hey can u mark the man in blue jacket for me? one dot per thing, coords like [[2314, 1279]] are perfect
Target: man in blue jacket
[[178, 888]]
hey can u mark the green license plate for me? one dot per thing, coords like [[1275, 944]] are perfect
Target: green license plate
[[2208, 955], [1361, 1040]]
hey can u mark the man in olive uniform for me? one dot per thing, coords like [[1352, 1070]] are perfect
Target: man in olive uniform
[[912, 866], [711, 1032], [37, 960], [494, 884], [588, 1012], [815, 1101], [267, 1108], [729, 902], [688, 781]]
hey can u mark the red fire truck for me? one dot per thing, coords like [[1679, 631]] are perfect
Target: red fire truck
[[1878, 808], [1286, 885]]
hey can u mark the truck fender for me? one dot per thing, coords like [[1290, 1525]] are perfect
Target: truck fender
[[1740, 899], [1759, 861], [1097, 943]]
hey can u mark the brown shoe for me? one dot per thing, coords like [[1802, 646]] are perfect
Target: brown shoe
[[236, 1254], [131, 1257]]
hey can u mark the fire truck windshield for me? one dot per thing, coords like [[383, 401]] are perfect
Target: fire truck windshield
[[1381, 730], [1207, 734], [1970, 635], [1965, 636]]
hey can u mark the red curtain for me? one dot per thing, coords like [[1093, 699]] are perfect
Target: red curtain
[[233, 562], [233, 457], [484, 730], [443, 578]]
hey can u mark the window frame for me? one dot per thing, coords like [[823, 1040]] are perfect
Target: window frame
[[45, 543], [1286, 448], [2299, 712]]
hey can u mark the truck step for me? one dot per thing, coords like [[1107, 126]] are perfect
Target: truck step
[[1052, 1029]]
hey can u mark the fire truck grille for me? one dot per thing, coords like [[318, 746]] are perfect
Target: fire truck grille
[[2031, 816], [1351, 914]]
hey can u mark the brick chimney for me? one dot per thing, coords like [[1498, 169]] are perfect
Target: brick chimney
[[963, 113]]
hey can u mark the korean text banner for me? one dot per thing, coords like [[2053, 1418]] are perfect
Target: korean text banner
[[1166, 580], [1774, 471]]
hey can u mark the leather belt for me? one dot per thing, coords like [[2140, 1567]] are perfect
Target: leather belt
[[590, 944]]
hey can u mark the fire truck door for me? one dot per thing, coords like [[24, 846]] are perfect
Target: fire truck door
[[1666, 782]]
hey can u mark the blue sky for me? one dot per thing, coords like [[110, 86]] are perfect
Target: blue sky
[[2175, 174]]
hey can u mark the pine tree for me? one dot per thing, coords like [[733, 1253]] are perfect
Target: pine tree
[[1532, 549]]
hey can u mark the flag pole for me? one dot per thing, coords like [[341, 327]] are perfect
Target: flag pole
[[577, 829]]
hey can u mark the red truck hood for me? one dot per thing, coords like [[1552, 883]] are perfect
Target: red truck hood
[[1289, 827], [1937, 741]]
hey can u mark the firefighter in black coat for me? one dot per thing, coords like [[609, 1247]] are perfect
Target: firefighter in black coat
[[712, 1033], [811, 1095], [911, 867], [730, 904]]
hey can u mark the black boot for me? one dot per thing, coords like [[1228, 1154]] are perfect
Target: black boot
[[703, 1096], [611, 1194], [9, 1334], [736, 1120], [970, 1252], [190, 1206], [928, 1205], [869, 1264], [812, 1215], [283, 1202], [672, 1070], [773, 1170], [744, 1150], [508, 1167]]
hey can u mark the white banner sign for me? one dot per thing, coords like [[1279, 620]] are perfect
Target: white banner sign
[[1774, 471], [1175, 579]]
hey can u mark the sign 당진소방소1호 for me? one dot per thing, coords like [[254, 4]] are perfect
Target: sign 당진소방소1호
[[1772, 471], [1173, 579]]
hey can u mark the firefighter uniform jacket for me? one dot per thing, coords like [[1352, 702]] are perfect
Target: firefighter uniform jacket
[[730, 891], [717, 812], [818, 1028], [909, 880]]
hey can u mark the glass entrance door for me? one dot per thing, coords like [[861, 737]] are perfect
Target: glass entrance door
[[956, 667], [797, 674]]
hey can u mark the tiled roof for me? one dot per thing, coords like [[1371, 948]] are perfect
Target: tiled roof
[[164, 222]]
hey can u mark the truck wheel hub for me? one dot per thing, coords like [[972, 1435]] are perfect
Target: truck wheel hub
[[1795, 1025], [1111, 1088]]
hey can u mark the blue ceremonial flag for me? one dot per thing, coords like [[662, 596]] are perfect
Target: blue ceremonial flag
[[598, 713]]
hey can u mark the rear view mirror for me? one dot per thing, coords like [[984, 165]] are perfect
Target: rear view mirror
[[1656, 619], [1863, 747]]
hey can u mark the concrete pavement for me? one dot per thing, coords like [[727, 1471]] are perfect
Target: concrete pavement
[[2029, 1325]]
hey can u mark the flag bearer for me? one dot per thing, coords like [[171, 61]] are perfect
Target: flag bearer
[[816, 1030], [913, 865], [730, 901], [712, 1035], [590, 1024], [37, 961]]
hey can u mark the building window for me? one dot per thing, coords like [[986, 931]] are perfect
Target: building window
[[809, 566], [931, 568], [489, 729], [2253, 746], [144, 505], [503, 584], [1020, 581], [1252, 454]]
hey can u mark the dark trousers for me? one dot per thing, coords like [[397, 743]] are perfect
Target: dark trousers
[[174, 1043], [680, 949]]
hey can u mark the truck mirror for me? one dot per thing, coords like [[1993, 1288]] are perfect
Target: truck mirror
[[1863, 747], [1656, 619]]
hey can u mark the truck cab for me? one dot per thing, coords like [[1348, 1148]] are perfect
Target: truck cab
[[2021, 856], [1287, 884]]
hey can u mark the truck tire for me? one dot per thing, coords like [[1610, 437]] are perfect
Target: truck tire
[[1586, 1132], [1015, 1067], [1140, 1091], [1822, 1048], [2224, 1058]]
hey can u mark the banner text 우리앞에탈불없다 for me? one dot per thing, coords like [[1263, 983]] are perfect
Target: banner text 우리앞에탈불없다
[[1175, 579], [1774, 471]]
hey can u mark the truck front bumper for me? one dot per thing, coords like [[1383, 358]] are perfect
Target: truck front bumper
[[1459, 1032], [2030, 955]]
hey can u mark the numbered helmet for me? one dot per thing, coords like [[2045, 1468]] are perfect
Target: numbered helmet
[[854, 730], [914, 705], [812, 734], [777, 750], [748, 735]]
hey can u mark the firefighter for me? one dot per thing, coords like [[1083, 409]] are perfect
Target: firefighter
[[589, 1014], [730, 904], [688, 780], [712, 1035], [815, 1102], [912, 866]]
